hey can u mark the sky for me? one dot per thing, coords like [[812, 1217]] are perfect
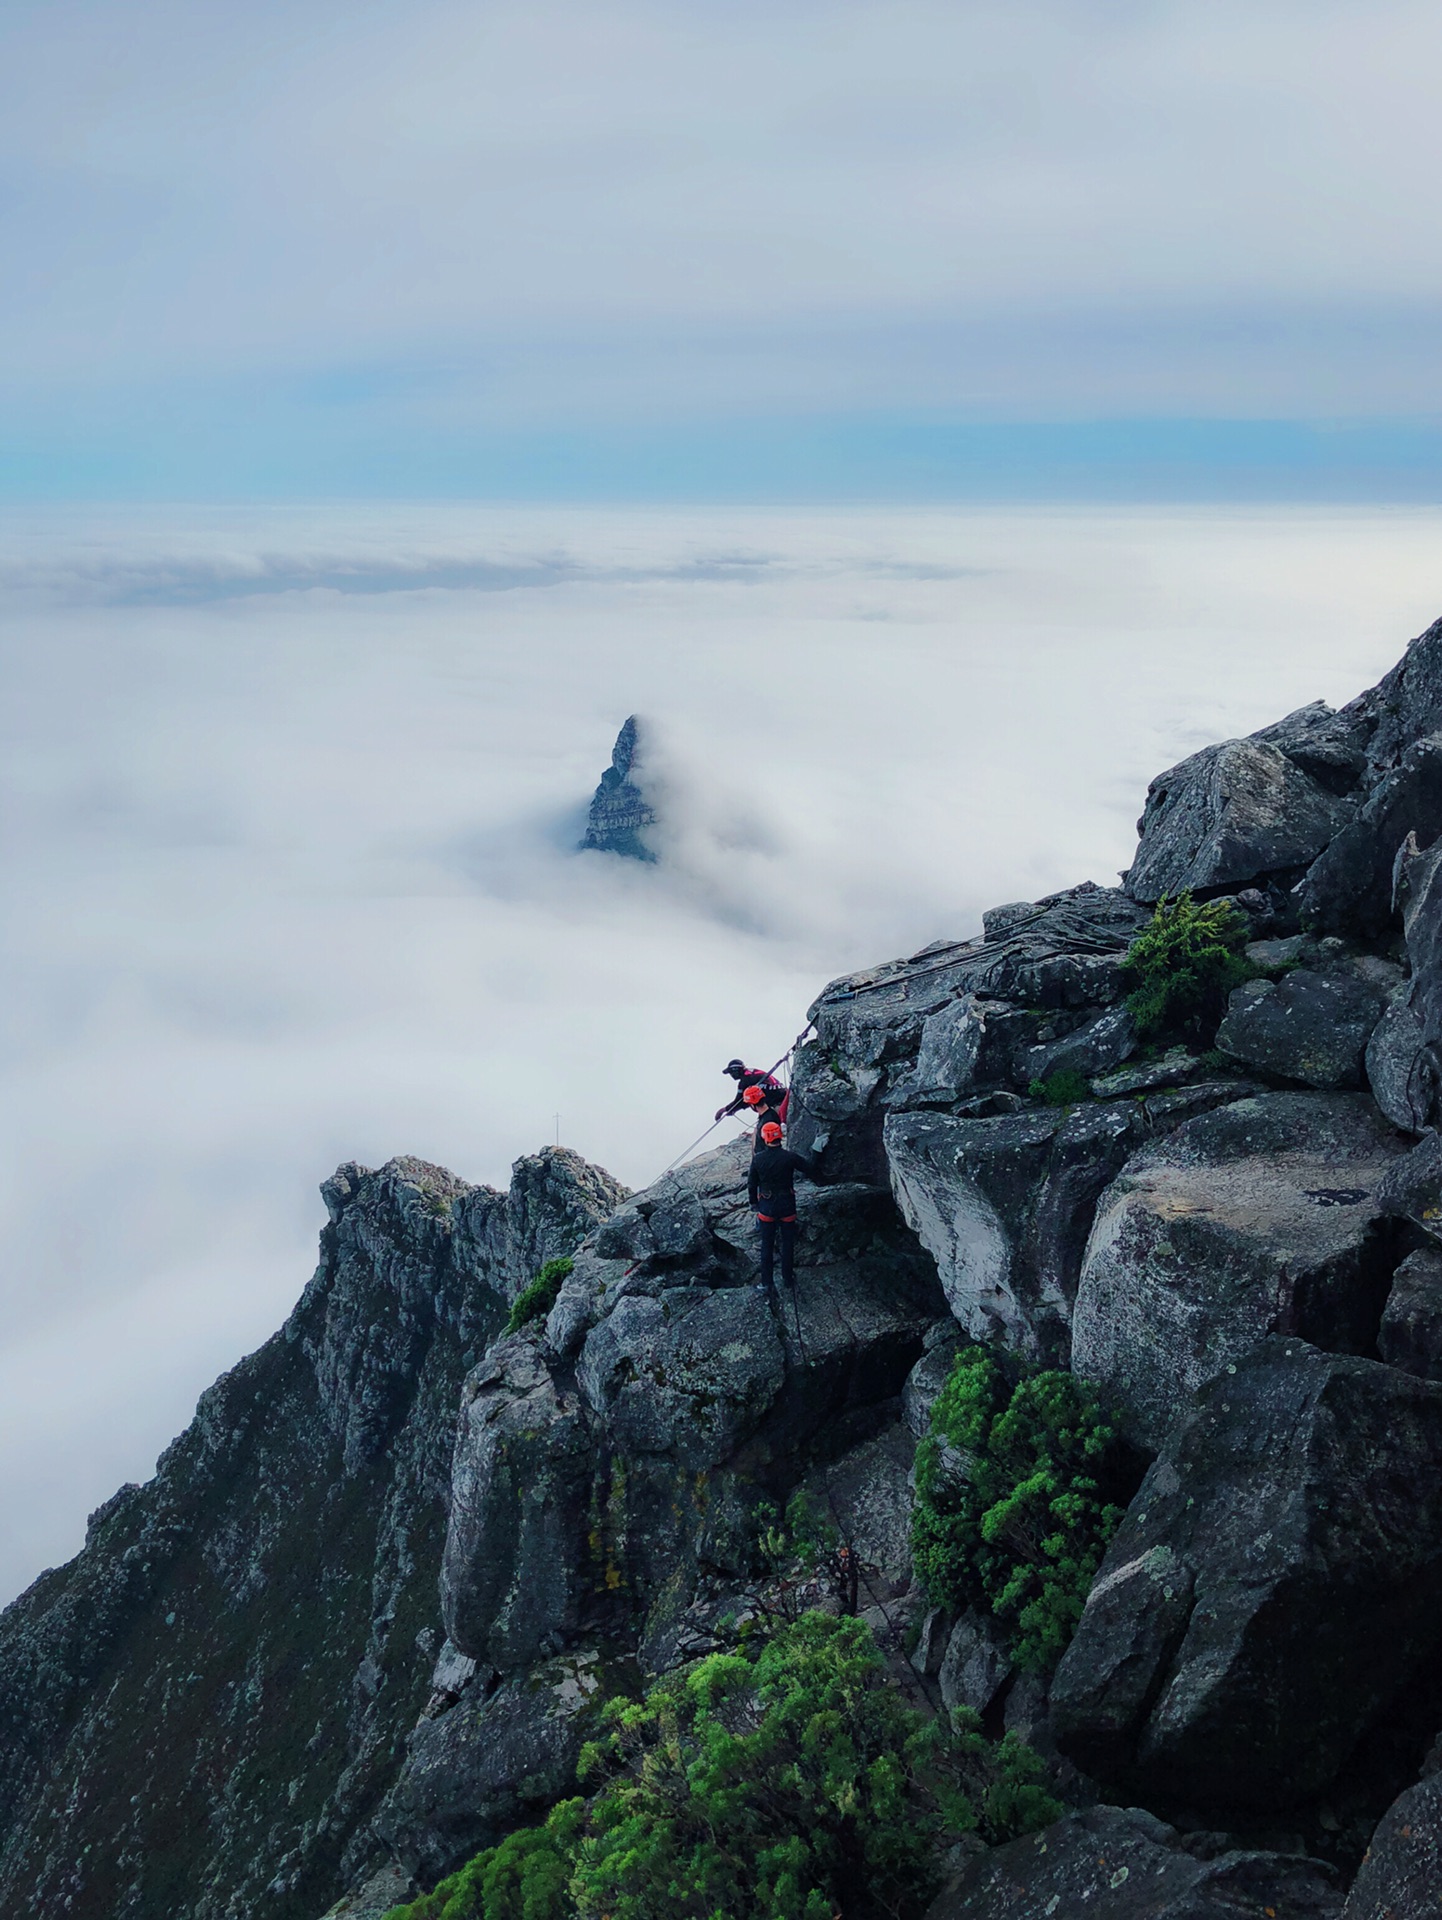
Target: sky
[[289, 800], [719, 250]]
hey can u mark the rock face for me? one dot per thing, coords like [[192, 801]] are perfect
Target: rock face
[[489, 1763], [1249, 1624], [1410, 1336], [1119, 1863], [1401, 1877], [1308, 1026], [264, 1593], [620, 811], [1259, 1217], [1230, 816], [607, 1463]]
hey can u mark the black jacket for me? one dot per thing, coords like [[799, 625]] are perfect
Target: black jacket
[[772, 1187]]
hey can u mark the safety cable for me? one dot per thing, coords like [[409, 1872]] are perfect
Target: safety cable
[[686, 1152]]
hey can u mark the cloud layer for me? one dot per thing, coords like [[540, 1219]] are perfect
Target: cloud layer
[[289, 802]]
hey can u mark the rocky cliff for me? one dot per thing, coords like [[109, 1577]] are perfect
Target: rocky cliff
[[620, 809], [364, 1617], [201, 1710]]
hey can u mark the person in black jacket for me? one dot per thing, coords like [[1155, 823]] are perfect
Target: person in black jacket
[[746, 1077], [772, 1193]]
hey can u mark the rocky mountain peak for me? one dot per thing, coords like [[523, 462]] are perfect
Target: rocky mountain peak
[[620, 810]]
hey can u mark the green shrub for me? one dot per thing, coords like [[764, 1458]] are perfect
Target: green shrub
[[1183, 964], [539, 1295], [1010, 1514], [784, 1782], [1064, 1088]]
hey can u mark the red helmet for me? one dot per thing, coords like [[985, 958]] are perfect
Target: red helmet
[[771, 1132], [753, 1096]]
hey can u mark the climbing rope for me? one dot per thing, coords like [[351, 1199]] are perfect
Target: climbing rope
[[784, 1060]]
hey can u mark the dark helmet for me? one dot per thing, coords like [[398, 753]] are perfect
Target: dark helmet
[[735, 1068]]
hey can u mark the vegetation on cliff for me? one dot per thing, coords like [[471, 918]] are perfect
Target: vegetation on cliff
[[1183, 965], [1011, 1515], [775, 1781]]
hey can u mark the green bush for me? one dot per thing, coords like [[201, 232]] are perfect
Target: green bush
[[538, 1296], [1010, 1514], [1063, 1088], [1183, 965], [783, 1782]]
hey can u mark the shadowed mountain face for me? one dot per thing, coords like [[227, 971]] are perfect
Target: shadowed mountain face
[[620, 811], [202, 1706]]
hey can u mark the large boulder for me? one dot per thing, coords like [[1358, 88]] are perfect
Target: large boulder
[[1308, 1026], [1331, 747], [1401, 1877], [953, 1019], [1405, 705], [491, 1762], [1227, 816], [1003, 1206], [1348, 888], [1119, 1863], [1274, 1586], [515, 1572], [1410, 1336], [690, 1373], [1260, 1216]]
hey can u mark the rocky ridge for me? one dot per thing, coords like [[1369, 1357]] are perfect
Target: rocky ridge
[[1237, 1246], [620, 810]]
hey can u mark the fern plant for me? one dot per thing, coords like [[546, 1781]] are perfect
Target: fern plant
[[1182, 966]]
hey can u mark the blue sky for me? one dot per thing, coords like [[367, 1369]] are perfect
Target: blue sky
[[1111, 248]]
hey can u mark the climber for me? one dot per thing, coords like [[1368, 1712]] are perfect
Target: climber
[[767, 1103], [772, 1193], [745, 1077]]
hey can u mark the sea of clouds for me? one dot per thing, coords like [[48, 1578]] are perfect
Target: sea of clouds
[[290, 802]]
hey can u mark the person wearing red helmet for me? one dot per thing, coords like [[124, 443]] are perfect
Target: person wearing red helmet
[[772, 1193], [745, 1077], [767, 1104]]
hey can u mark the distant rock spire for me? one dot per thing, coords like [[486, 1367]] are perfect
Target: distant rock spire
[[620, 810]]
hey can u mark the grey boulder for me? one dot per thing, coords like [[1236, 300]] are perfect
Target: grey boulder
[[1398, 1072], [1273, 1587], [1119, 1863], [1349, 886], [1003, 1206], [975, 1666], [491, 1763], [1307, 1026], [1227, 816], [1401, 1877], [690, 1373], [1410, 1336], [1260, 1216]]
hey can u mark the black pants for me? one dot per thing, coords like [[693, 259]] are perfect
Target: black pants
[[776, 1233]]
